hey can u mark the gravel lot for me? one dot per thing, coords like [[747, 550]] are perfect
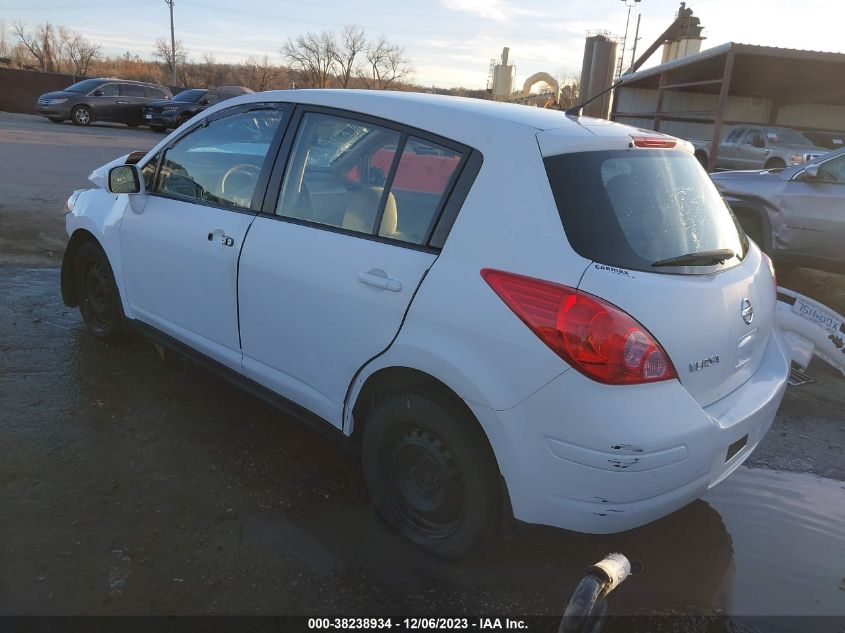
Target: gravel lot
[[135, 485]]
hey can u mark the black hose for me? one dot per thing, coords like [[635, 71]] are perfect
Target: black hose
[[581, 611]]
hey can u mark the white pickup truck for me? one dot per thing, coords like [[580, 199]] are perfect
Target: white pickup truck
[[759, 147]]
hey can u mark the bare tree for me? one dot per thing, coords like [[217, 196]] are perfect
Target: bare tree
[[78, 52], [5, 48], [260, 73], [40, 45], [311, 56], [386, 64], [163, 54], [352, 43]]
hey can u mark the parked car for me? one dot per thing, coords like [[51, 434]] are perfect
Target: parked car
[[171, 113], [759, 147], [828, 140], [90, 100], [562, 320], [796, 214]]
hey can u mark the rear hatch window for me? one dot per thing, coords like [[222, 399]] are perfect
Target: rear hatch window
[[645, 209]]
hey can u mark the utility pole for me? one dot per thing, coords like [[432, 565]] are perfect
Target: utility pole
[[173, 81], [630, 4]]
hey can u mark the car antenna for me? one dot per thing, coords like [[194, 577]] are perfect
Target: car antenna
[[578, 110]]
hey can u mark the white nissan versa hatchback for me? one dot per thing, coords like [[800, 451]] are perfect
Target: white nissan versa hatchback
[[511, 309]]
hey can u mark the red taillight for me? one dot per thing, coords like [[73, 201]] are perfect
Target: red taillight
[[597, 338], [654, 142]]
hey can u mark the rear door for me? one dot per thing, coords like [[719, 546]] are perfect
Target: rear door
[[628, 210], [812, 218], [132, 103], [180, 242], [329, 269]]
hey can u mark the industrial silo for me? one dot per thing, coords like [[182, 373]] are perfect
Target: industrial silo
[[597, 73]]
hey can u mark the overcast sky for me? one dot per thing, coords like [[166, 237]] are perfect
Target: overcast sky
[[450, 42]]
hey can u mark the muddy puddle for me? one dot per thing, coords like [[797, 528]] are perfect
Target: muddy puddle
[[763, 543]]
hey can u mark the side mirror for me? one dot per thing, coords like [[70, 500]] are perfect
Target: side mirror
[[98, 93], [811, 172], [203, 102], [124, 179]]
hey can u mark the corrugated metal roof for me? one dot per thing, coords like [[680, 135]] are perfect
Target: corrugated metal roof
[[739, 49]]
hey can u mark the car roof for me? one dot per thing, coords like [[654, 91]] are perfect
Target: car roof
[[399, 106]]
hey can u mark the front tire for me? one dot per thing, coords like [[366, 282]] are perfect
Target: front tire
[[431, 474], [99, 299], [82, 115], [775, 163]]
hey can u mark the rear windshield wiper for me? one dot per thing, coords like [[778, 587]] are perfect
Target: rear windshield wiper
[[703, 258]]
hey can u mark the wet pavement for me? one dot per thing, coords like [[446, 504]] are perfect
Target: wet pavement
[[135, 485]]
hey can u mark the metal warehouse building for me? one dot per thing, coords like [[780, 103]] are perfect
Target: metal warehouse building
[[698, 95]]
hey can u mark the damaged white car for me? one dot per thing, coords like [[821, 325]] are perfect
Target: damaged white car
[[511, 310]]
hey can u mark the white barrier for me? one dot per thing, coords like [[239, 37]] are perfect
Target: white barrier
[[807, 328]]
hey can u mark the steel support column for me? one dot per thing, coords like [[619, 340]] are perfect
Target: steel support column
[[724, 92]]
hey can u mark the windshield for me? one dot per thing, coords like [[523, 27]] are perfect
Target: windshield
[[787, 136], [190, 96], [632, 208], [84, 86]]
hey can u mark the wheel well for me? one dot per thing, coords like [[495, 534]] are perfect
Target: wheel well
[[753, 214], [775, 162], [391, 380], [70, 297]]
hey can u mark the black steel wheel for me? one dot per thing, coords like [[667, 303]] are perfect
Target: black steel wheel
[[99, 300], [82, 115], [431, 474]]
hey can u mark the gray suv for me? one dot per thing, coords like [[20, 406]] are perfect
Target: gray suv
[[113, 100], [760, 147], [796, 214]]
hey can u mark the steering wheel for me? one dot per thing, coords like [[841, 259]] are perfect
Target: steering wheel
[[248, 170]]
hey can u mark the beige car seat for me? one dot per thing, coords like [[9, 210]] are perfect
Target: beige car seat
[[361, 212]]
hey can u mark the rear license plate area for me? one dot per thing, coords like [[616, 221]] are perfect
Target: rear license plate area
[[736, 447]]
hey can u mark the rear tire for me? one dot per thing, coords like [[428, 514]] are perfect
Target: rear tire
[[182, 118], [99, 299], [82, 115], [431, 474]]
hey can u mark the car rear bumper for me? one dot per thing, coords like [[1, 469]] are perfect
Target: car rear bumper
[[601, 459]]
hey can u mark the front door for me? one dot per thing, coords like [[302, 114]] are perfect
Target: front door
[[105, 101], [328, 272], [180, 242], [812, 218], [751, 152]]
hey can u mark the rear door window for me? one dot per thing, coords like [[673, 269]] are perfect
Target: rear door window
[[423, 177], [633, 208], [134, 90]]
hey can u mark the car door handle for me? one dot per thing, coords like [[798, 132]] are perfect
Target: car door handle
[[378, 278], [225, 240]]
